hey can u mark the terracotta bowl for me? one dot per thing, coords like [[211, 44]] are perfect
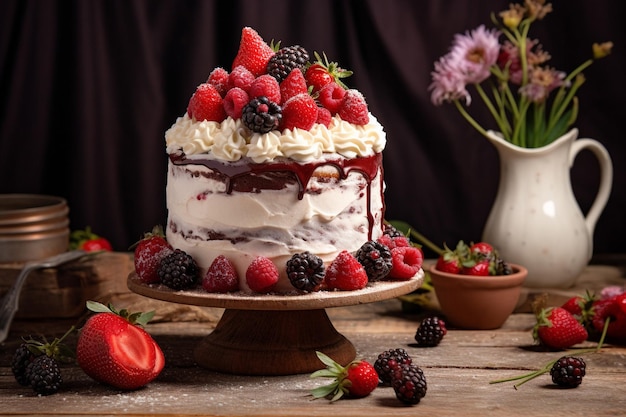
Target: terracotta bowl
[[478, 303]]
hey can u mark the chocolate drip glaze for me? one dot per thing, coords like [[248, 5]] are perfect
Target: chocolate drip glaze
[[303, 172]]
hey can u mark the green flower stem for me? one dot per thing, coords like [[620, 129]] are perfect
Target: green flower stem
[[492, 109], [428, 243], [568, 98], [469, 118]]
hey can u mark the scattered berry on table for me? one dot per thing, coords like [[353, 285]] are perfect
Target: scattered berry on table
[[286, 60], [430, 332], [376, 260], [89, 241], [357, 379], [568, 371], [557, 328], [221, 277], [306, 271], [262, 275], [44, 375], [149, 252], [179, 271], [261, 115], [345, 273], [409, 383], [613, 309], [21, 358], [388, 361]]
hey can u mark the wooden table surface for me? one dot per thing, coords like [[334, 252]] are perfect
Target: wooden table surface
[[458, 374]]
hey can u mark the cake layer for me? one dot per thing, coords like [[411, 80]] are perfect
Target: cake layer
[[244, 209]]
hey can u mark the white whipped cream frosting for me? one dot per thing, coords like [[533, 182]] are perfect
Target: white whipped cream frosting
[[230, 140]]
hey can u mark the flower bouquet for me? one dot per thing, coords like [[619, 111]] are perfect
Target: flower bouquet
[[531, 103]]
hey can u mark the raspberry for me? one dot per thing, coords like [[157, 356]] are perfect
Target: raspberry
[[219, 79], [265, 85], [409, 383], [323, 116], [376, 259], [305, 271], [293, 85], [240, 77], [389, 361], [354, 108], [394, 241], [221, 276], [234, 102], [406, 262], [331, 97], [178, 271], [568, 371], [345, 273], [44, 375], [262, 275], [430, 331], [286, 60], [261, 115]]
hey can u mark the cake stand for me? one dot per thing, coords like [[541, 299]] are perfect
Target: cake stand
[[268, 334]]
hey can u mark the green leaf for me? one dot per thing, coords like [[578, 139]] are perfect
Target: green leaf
[[98, 307]]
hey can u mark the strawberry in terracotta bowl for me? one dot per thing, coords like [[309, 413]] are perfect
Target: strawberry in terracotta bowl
[[476, 289]]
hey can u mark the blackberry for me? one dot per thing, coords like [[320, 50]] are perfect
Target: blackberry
[[21, 358], [376, 260], [261, 115], [409, 384], [430, 331], [391, 231], [305, 271], [568, 371], [286, 60], [44, 375], [179, 271], [501, 267], [389, 361]]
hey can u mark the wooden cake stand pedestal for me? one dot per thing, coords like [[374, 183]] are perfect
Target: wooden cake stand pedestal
[[274, 334]]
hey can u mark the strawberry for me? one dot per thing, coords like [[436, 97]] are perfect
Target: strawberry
[[331, 97], [113, 349], [581, 307], [299, 112], [322, 72], [476, 268], [357, 379], [253, 53], [354, 108], [293, 85], [219, 79], [449, 262], [148, 254], [265, 85], [221, 276], [481, 248], [88, 241], [557, 328], [262, 275], [345, 273], [206, 104], [323, 116], [406, 262], [613, 309], [234, 102]]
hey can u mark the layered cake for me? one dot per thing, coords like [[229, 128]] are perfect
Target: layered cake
[[273, 160]]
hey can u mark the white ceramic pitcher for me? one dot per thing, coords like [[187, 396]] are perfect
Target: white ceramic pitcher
[[535, 220]]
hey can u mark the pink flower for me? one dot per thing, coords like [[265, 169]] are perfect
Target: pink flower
[[541, 82], [475, 52], [448, 83]]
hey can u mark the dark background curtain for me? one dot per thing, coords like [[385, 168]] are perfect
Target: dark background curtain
[[88, 88]]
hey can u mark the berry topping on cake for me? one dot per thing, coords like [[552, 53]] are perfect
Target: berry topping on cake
[[262, 275], [293, 85], [253, 53], [299, 111], [241, 77], [265, 85], [206, 104], [234, 102], [323, 116], [287, 59], [305, 271], [331, 97], [179, 271], [221, 276], [376, 260], [218, 78], [345, 273], [322, 72], [261, 115], [354, 108]]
